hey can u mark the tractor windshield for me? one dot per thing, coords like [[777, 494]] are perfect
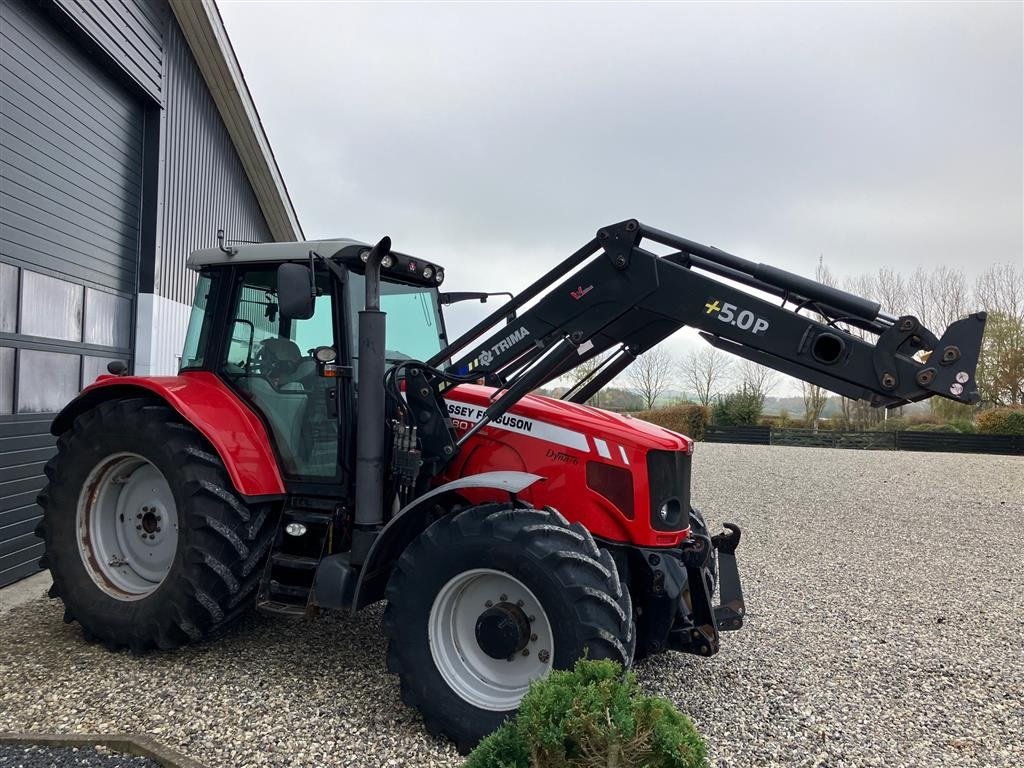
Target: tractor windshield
[[414, 327]]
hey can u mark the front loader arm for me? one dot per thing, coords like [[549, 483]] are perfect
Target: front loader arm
[[617, 294]]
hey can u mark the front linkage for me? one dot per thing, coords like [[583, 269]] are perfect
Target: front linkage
[[673, 590]]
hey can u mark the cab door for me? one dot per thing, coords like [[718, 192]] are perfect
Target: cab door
[[270, 361]]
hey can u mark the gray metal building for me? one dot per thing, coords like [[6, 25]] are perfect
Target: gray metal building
[[127, 139]]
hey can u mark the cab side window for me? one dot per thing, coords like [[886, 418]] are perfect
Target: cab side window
[[269, 361]]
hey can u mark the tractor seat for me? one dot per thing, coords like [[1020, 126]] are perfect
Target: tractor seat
[[290, 367]]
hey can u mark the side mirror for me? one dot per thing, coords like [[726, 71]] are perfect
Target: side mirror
[[295, 291]]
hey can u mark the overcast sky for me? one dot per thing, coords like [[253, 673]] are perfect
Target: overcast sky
[[497, 138]]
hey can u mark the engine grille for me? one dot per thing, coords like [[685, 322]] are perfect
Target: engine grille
[[668, 476]]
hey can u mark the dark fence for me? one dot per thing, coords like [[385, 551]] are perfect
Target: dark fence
[[951, 442]]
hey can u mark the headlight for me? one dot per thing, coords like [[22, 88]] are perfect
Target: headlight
[[670, 513]]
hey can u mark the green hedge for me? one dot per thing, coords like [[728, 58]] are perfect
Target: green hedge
[[591, 717], [688, 420], [931, 428], [737, 409], [1001, 421]]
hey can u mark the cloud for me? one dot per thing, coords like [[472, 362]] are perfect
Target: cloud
[[496, 138]]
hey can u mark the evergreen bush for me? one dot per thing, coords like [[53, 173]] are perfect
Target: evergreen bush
[[592, 717], [737, 408]]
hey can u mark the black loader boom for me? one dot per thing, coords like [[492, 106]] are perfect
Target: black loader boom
[[615, 294]]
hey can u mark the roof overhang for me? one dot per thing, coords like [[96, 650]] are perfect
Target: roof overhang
[[204, 31]]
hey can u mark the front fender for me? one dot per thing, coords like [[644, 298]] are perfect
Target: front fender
[[205, 402], [412, 520]]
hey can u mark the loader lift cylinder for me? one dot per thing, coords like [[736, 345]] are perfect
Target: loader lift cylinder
[[370, 420], [767, 275]]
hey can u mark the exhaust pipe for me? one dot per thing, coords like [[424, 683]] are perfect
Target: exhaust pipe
[[370, 427]]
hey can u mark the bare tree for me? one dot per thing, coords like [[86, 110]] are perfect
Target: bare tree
[[758, 379], [1000, 373], [889, 288], [705, 370], [584, 371], [650, 375], [1001, 289], [937, 296], [815, 400]]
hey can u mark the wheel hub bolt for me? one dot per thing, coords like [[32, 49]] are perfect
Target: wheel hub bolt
[[543, 655], [519, 603], [531, 619], [489, 603], [526, 651], [503, 598], [138, 527], [138, 516], [533, 638]]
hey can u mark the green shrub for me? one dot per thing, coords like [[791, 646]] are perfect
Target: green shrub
[[591, 717], [737, 408], [688, 420], [963, 425], [894, 424], [1001, 421], [931, 428]]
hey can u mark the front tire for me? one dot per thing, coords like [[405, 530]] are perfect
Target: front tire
[[486, 601], [147, 541]]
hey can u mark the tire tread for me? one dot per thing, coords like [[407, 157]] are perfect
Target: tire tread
[[228, 539]]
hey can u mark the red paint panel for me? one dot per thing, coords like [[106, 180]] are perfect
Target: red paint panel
[[556, 440], [211, 407]]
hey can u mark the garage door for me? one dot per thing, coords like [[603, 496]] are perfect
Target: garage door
[[70, 197]]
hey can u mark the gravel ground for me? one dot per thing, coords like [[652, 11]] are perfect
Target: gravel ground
[[18, 756], [886, 599]]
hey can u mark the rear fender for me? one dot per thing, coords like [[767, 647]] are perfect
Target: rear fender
[[205, 402], [414, 518]]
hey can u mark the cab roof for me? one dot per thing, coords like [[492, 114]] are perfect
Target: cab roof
[[269, 252]]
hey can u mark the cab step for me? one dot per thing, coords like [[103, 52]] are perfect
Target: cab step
[[298, 562], [286, 588]]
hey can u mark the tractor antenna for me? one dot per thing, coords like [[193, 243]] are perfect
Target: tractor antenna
[[220, 244]]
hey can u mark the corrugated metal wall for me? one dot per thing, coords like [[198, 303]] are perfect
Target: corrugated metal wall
[[72, 132], [130, 32], [71, 142], [205, 186]]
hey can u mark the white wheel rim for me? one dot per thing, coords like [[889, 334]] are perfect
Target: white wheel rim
[[127, 526], [485, 682]]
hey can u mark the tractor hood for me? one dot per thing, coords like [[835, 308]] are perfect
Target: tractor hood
[[544, 417]]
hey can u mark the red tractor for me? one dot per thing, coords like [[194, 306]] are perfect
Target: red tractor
[[311, 456]]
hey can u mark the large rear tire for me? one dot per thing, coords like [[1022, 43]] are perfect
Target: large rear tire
[[147, 541], [486, 601]]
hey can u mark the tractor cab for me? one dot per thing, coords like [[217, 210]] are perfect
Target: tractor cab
[[296, 367]]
